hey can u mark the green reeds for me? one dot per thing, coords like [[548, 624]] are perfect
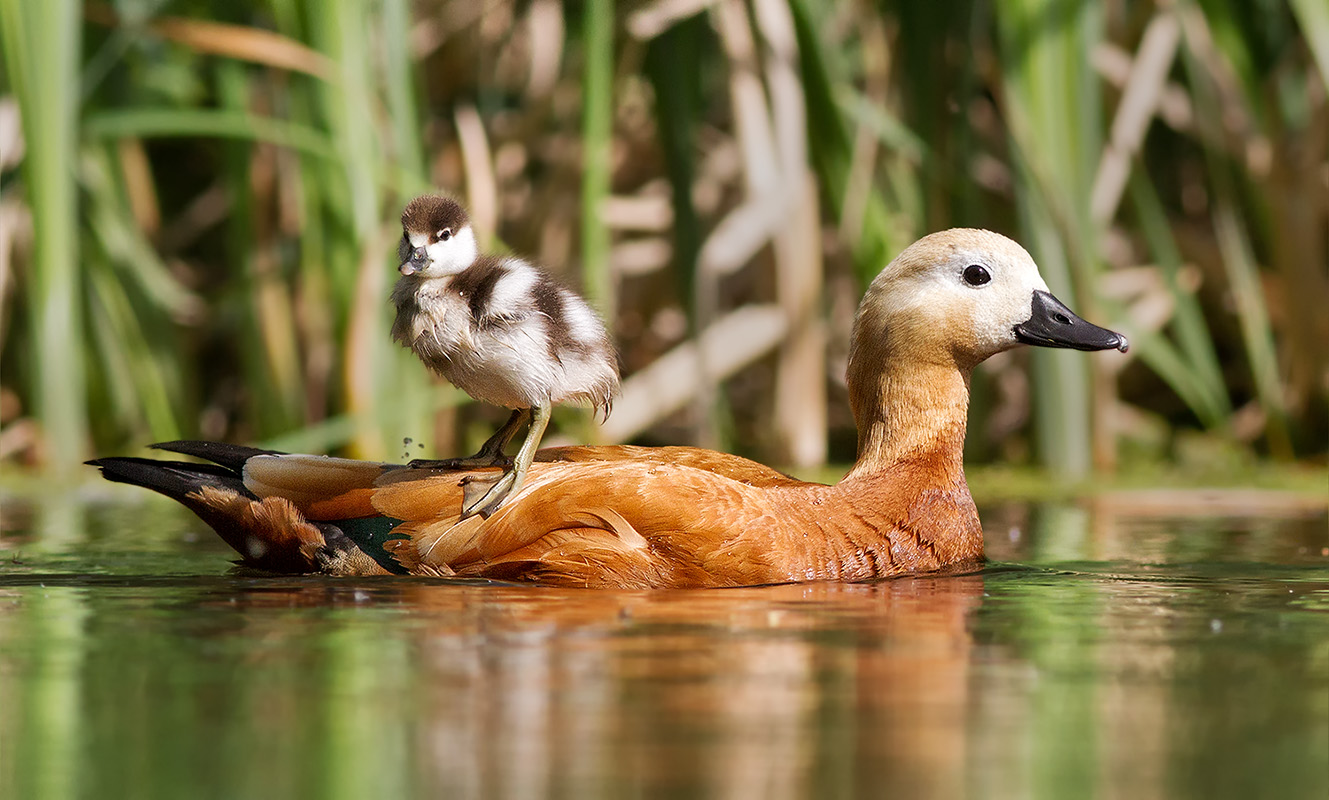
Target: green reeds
[[831, 118], [1191, 367], [254, 306], [1313, 17], [133, 302], [1217, 57], [42, 43], [596, 143], [1052, 108]]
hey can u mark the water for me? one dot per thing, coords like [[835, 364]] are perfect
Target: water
[[1137, 646]]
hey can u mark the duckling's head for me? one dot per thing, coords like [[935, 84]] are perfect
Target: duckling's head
[[961, 296], [436, 238]]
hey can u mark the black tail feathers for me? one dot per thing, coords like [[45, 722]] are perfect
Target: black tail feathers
[[232, 456], [175, 479]]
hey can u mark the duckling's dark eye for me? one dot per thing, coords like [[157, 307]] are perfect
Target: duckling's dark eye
[[974, 275], [443, 235]]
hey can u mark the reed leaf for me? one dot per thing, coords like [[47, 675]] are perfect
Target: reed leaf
[[1313, 17], [42, 42], [282, 137], [384, 386], [676, 62], [1232, 234], [1052, 108], [399, 89], [209, 123], [596, 133], [134, 301], [875, 243], [1193, 372]]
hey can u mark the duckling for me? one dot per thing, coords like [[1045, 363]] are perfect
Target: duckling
[[639, 517], [499, 329]]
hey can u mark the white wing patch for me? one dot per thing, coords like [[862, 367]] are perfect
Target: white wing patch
[[512, 292]]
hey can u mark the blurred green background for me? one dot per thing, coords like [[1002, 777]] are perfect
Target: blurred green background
[[199, 202]]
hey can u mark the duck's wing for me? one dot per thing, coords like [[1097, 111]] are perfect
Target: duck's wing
[[631, 517], [613, 523], [733, 467]]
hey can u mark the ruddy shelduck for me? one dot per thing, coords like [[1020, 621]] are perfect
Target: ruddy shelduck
[[623, 516]]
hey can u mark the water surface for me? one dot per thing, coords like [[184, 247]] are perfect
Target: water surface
[[1136, 645]]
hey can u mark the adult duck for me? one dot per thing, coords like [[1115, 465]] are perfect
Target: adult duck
[[677, 516]]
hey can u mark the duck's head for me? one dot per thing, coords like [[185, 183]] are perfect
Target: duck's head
[[961, 296], [436, 238]]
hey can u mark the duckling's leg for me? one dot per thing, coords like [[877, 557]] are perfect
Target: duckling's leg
[[490, 453], [511, 481]]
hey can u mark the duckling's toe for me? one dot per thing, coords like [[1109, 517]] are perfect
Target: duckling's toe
[[483, 495], [477, 461]]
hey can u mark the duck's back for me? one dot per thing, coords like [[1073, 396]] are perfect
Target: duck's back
[[660, 522], [505, 333]]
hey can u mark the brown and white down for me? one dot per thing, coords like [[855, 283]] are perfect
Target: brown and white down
[[501, 330]]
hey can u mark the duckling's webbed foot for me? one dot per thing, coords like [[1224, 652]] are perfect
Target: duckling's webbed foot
[[482, 495], [490, 453]]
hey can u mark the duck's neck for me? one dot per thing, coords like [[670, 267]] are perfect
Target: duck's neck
[[912, 413]]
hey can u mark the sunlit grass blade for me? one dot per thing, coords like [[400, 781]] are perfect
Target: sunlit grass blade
[[135, 303], [142, 381], [1197, 364], [109, 218], [675, 65], [832, 156], [1313, 17], [1204, 65], [399, 83], [886, 126], [1052, 109], [42, 42], [198, 122], [265, 333], [597, 131], [386, 389], [1243, 275]]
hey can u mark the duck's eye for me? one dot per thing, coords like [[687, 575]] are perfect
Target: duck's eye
[[974, 275], [444, 235]]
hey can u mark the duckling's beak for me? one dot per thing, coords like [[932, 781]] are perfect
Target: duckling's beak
[[1052, 324], [415, 263]]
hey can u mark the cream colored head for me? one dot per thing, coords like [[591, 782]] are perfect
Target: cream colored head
[[951, 297], [961, 296], [943, 305]]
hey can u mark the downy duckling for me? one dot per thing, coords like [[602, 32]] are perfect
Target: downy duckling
[[636, 517], [499, 329]]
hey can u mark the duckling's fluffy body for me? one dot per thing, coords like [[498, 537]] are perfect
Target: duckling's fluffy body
[[681, 516], [503, 332], [496, 327], [500, 330]]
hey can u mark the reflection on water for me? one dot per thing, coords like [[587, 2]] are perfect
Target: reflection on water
[[1108, 651]]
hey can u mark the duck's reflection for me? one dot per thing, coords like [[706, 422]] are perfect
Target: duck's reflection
[[771, 692], [401, 687]]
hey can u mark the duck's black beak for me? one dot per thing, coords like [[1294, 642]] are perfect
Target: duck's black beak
[[415, 263], [1052, 324]]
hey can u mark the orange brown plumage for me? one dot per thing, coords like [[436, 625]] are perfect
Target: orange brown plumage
[[624, 516]]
